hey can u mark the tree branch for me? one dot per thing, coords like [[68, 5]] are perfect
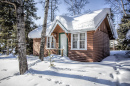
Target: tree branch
[[67, 2], [123, 8], [9, 3]]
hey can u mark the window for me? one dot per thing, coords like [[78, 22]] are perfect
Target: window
[[82, 40], [79, 41], [75, 40], [50, 42]]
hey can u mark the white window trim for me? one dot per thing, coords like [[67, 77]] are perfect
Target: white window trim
[[50, 43], [78, 45]]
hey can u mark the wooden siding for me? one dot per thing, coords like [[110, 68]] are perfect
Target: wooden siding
[[101, 43], [83, 55], [36, 48]]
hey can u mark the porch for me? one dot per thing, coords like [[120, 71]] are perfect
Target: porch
[[58, 41]]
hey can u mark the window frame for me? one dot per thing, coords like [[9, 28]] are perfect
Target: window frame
[[78, 42], [51, 43]]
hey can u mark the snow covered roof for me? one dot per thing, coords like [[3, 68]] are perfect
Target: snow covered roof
[[86, 22], [36, 33]]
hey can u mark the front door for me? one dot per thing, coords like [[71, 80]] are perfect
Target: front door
[[63, 44]]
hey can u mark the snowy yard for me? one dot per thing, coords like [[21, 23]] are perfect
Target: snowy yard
[[112, 71]]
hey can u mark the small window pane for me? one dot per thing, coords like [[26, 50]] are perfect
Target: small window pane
[[48, 45], [82, 44], [74, 44], [48, 39], [53, 43], [75, 37], [82, 36], [52, 39]]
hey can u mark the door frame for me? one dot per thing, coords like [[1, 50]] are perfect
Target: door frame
[[60, 43]]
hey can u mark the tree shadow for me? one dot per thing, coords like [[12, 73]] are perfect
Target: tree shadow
[[8, 57], [92, 79]]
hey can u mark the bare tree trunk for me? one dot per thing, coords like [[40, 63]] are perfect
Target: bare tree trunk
[[123, 8], [51, 12], [23, 67], [43, 35], [18, 5]]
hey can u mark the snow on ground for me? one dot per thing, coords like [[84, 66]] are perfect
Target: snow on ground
[[121, 52], [112, 71]]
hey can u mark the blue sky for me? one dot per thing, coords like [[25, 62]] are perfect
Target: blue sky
[[92, 5]]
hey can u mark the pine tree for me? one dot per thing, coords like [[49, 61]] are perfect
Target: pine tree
[[7, 21], [123, 43], [20, 24], [122, 8], [30, 14]]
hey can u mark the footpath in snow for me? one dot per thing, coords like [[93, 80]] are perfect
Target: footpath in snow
[[112, 71]]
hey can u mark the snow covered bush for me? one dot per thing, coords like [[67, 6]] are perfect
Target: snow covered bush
[[51, 61]]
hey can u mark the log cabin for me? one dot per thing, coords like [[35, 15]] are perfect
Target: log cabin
[[82, 38]]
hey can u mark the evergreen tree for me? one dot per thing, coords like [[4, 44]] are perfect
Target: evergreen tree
[[8, 17], [19, 7], [7, 21], [20, 24], [123, 43], [122, 8], [30, 15]]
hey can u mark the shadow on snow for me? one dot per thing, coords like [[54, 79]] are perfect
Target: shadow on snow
[[92, 79]]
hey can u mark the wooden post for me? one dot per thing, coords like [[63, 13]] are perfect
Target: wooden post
[[54, 35], [113, 45], [57, 52], [67, 36], [62, 52]]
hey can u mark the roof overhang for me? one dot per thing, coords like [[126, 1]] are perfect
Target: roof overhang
[[112, 28], [53, 26]]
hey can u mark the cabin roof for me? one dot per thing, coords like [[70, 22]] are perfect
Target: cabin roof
[[85, 22]]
